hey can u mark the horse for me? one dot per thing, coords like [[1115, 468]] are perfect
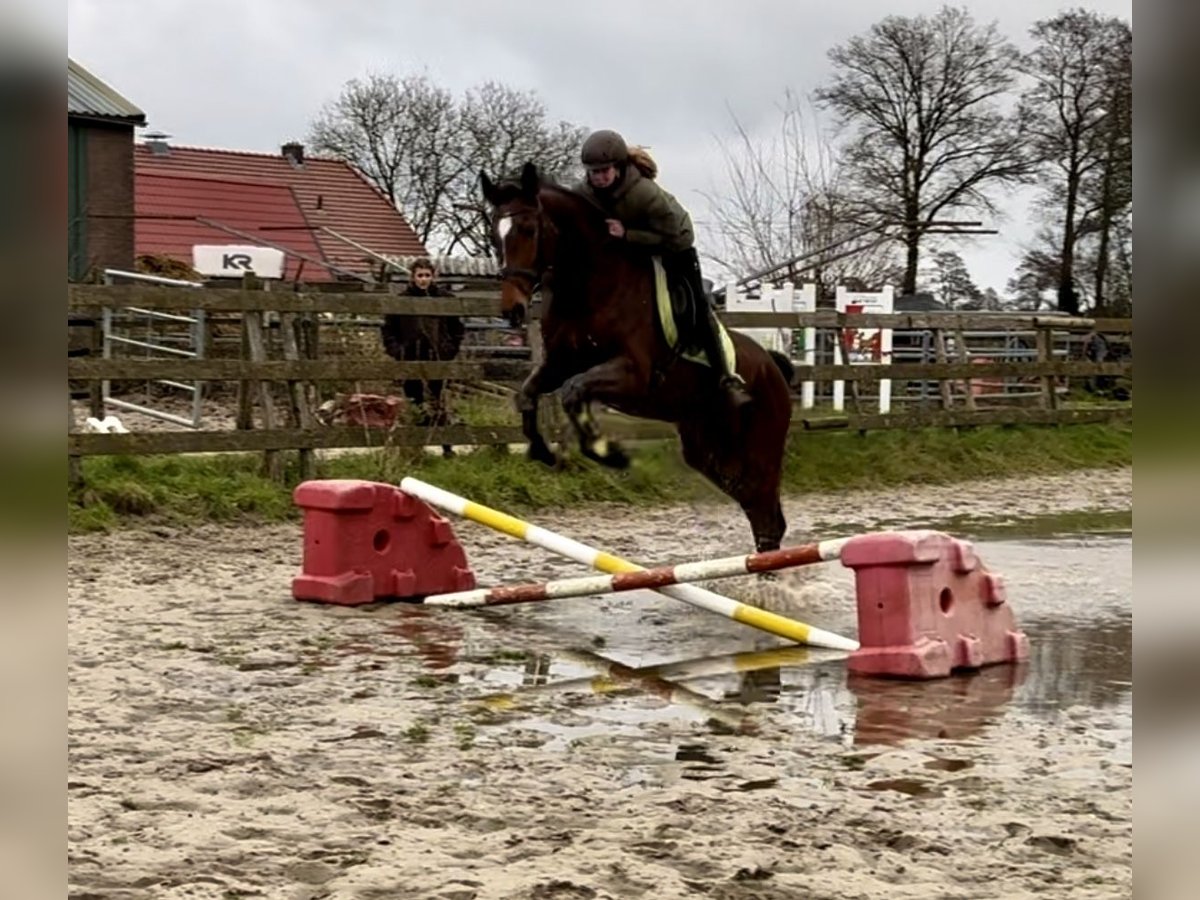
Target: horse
[[604, 343]]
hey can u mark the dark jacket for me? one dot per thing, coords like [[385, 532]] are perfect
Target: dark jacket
[[652, 217], [422, 337]]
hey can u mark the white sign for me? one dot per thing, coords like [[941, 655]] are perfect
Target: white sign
[[236, 260], [864, 346]]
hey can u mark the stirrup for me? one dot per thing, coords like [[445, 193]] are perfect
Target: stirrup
[[735, 387]]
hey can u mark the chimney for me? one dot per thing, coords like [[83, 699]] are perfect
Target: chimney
[[294, 151], [157, 142]]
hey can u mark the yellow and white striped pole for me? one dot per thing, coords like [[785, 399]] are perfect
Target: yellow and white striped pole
[[770, 622], [705, 667]]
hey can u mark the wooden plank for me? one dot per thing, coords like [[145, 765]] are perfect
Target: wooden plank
[[1007, 416], [346, 369], [142, 443], [350, 369], [827, 318], [86, 296]]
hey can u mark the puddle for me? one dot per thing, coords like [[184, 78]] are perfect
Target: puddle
[[627, 662], [949, 765], [760, 784], [690, 753], [1083, 522], [911, 786]]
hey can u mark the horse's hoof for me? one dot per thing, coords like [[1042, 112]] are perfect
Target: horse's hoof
[[543, 454], [608, 453], [617, 458]]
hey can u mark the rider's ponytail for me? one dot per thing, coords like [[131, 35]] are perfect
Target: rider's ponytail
[[645, 163]]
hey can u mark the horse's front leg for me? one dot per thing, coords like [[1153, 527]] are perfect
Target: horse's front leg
[[544, 379], [607, 382]]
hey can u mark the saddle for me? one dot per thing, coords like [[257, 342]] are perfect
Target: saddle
[[677, 314]]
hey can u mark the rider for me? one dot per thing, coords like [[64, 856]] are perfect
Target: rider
[[642, 213]]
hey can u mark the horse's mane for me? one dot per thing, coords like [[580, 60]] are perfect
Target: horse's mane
[[591, 212]]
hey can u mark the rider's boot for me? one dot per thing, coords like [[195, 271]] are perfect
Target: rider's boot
[[730, 382]]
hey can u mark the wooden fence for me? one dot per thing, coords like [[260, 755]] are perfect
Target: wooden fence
[[307, 374]]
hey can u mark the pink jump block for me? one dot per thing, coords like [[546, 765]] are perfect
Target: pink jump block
[[365, 541], [927, 606]]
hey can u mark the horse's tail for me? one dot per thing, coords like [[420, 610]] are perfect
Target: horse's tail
[[645, 163], [784, 364]]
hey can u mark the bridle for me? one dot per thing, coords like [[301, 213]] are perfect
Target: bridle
[[533, 275]]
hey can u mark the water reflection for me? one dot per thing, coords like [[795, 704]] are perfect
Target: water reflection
[[435, 637], [1073, 600], [954, 708], [1079, 663], [1072, 663]]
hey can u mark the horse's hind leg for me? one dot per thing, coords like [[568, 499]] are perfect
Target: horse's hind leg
[[746, 467], [765, 513]]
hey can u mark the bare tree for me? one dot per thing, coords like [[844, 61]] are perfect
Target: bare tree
[[1114, 191], [1074, 108], [424, 150], [782, 198], [502, 128], [401, 134], [923, 101]]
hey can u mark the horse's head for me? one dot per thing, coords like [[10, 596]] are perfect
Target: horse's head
[[517, 227]]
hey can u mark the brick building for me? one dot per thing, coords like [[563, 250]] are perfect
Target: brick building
[[100, 183]]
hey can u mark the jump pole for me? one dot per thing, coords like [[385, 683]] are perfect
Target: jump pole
[[645, 579], [770, 622]]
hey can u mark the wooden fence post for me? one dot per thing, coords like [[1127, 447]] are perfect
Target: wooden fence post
[[252, 324], [1045, 354], [301, 413]]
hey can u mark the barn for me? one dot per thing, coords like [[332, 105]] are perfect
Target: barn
[[100, 179]]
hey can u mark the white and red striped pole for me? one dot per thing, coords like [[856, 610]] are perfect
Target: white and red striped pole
[[645, 579], [762, 619]]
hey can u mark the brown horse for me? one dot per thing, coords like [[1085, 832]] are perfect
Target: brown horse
[[604, 343]]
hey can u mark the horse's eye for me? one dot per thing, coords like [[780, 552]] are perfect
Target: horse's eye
[[526, 230]]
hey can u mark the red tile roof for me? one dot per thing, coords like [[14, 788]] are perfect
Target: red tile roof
[[167, 207], [327, 193]]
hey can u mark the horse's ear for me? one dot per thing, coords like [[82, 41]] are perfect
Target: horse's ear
[[489, 189], [530, 180]]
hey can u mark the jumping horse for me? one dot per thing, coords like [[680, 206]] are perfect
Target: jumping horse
[[605, 343]]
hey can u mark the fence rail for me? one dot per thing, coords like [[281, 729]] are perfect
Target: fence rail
[[1042, 373]]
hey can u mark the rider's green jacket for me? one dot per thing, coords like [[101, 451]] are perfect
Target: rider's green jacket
[[652, 217]]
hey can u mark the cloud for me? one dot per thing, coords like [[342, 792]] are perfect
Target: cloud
[[252, 74]]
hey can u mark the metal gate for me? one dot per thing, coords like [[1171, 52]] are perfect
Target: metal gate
[[151, 334]]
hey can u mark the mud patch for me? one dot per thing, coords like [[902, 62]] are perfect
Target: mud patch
[[226, 741]]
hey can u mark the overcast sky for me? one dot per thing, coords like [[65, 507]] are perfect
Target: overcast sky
[[252, 74]]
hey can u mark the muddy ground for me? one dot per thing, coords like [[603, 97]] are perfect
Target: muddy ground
[[227, 741]]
